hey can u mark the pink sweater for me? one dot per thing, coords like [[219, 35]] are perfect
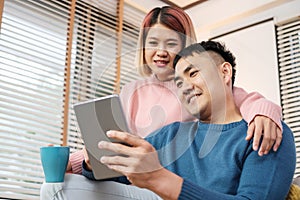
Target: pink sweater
[[150, 104]]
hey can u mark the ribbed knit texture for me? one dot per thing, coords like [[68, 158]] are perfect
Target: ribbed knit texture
[[76, 159], [253, 104]]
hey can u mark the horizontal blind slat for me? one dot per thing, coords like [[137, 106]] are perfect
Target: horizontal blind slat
[[289, 72]]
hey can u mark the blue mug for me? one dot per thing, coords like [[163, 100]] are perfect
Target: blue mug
[[54, 161]]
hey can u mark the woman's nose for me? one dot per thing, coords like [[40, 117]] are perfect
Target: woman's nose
[[161, 52]]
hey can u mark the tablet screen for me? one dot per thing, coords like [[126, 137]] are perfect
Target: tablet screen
[[95, 118]]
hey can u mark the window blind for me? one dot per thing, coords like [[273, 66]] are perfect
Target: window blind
[[93, 65], [288, 37], [32, 55], [34, 48], [129, 39], [94, 70]]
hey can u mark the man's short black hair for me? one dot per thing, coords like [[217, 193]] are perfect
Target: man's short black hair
[[206, 46]]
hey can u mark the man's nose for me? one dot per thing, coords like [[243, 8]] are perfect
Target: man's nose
[[187, 87]]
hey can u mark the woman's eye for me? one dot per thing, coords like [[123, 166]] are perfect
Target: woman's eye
[[172, 44], [152, 43]]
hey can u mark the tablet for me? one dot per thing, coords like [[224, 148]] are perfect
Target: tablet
[[94, 118]]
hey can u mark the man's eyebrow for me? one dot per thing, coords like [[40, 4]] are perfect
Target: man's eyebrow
[[186, 70], [176, 78]]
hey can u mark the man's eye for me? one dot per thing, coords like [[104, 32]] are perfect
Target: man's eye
[[193, 73], [178, 84]]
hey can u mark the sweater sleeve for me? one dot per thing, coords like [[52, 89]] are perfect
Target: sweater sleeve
[[267, 177], [252, 104], [76, 159], [125, 97], [89, 174]]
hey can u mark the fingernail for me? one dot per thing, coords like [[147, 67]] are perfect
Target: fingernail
[[109, 133], [101, 144], [102, 159]]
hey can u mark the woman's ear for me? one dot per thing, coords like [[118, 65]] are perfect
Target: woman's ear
[[226, 70]]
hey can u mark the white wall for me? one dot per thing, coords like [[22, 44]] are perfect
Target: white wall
[[256, 58], [215, 16]]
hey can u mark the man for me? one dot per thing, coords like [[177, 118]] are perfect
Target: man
[[206, 159]]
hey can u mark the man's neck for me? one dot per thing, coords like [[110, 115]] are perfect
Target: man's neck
[[226, 114]]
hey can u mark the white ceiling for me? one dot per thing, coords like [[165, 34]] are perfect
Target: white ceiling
[[149, 4], [184, 4]]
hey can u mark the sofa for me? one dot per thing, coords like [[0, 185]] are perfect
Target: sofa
[[294, 193]]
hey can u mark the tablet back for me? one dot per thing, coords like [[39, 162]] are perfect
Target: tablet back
[[94, 118]]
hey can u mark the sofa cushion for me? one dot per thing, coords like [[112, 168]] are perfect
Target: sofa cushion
[[297, 180], [294, 193]]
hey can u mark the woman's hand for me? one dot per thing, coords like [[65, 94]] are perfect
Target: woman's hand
[[69, 167], [263, 127]]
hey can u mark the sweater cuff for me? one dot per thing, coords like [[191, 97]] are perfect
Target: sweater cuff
[[188, 191], [90, 175], [265, 108], [87, 173], [76, 161]]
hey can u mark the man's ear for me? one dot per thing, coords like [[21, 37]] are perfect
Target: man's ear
[[226, 70]]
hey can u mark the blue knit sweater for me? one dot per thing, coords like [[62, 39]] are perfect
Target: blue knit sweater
[[217, 162]]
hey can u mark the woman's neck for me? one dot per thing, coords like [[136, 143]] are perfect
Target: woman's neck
[[164, 78]]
